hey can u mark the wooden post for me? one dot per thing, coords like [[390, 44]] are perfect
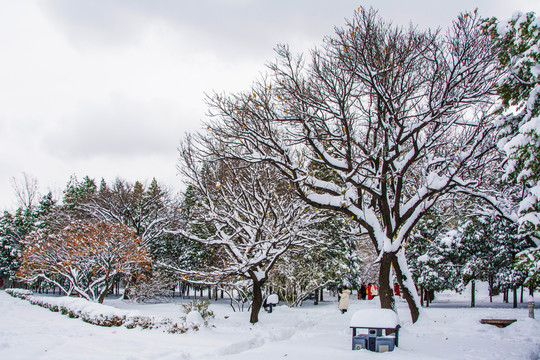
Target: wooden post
[[490, 281], [473, 294]]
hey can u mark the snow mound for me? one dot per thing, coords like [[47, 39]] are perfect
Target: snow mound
[[194, 318]]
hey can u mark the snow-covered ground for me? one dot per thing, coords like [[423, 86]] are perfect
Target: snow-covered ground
[[448, 330]]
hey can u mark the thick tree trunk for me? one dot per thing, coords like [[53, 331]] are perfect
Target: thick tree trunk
[[316, 297], [257, 300], [407, 293], [515, 303], [104, 293], [385, 289]]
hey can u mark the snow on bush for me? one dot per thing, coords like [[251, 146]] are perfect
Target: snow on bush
[[20, 293], [201, 308], [194, 319], [108, 316]]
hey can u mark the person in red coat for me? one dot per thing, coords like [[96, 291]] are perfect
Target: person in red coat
[[396, 290]]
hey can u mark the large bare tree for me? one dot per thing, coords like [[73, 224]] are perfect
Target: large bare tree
[[380, 125], [251, 216]]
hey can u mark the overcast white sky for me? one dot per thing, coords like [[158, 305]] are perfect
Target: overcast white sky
[[107, 88]]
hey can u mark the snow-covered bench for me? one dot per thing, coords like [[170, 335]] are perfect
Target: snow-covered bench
[[498, 322], [375, 321]]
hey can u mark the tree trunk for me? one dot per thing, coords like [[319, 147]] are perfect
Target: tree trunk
[[316, 297], [385, 291], [257, 300], [515, 304], [473, 299], [407, 293], [104, 292]]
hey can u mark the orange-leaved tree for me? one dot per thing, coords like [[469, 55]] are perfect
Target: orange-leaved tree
[[84, 257]]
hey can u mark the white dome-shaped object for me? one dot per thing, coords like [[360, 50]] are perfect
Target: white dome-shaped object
[[194, 318]]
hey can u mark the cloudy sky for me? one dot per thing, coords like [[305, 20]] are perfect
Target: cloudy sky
[[107, 88]]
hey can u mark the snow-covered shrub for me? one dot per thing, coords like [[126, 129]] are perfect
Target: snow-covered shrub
[[20, 293], [195, 320], [199, 306], [101, 315]]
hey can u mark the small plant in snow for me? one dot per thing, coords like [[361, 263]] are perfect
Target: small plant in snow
[[200, 306]]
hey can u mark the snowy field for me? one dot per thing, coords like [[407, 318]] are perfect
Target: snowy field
[[448, 330]]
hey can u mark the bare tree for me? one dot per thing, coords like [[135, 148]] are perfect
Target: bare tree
[[26, 190], [381, 125], [252, 218]]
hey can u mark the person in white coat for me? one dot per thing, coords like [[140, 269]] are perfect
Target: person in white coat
[[343, 303]]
